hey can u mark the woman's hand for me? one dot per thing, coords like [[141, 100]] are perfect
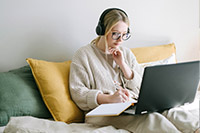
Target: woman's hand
[[119, 59], [121, 95], [117, 55]]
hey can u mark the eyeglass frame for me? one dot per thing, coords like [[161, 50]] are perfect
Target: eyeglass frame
[[121, 35]]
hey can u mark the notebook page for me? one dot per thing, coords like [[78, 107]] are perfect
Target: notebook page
[[112, 109]]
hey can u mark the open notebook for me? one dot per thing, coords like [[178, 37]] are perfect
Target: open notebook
[[112, 109]]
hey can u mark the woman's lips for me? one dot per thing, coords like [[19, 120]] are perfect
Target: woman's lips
[[116, 44]]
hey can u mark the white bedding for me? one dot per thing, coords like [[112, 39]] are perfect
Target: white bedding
[[1, 129], [28, 124]]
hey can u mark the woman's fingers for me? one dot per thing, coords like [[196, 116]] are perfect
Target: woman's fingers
[[122, 96], [125, 91], [114, 51]]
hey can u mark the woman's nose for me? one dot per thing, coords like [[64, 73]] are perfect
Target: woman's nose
[[119, 39]]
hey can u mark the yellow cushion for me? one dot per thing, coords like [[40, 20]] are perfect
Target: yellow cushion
[[52, 79], [154, 53]]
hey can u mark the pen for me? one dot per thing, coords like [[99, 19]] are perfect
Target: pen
[[117, 85]]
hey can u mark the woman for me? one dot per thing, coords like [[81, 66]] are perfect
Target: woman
[[106, 72]]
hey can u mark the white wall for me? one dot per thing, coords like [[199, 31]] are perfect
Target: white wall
[[54, 29]]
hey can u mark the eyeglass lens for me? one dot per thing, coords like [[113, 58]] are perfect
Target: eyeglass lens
[[116, 36]]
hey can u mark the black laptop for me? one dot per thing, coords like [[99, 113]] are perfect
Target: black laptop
[[167, 86]]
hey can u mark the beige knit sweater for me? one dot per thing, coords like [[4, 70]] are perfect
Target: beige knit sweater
[[93, 72]]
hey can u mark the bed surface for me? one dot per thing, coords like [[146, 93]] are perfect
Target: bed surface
[[28, 124], [34, 125]]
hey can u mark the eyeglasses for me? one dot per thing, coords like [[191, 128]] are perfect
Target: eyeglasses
[[116, 36]]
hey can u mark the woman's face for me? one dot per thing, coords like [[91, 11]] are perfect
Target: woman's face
[[119, 29]]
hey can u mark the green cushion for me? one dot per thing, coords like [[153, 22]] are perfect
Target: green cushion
[[19, 96]]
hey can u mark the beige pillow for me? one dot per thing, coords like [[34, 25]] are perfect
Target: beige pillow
[[169, 60], [154, 53]]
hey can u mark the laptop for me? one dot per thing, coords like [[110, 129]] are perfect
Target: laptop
[[167, 86]]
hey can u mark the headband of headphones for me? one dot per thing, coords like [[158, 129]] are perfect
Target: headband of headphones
[[100, 29]]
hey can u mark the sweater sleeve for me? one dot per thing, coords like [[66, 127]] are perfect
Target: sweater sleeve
[[80, 88], [135, 83]]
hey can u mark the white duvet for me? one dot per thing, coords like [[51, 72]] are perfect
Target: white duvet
[[28, 124]]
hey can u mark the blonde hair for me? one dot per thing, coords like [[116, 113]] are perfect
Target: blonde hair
[[110, 20]]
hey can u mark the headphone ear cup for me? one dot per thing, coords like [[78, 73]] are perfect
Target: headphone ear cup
[[99, 29]]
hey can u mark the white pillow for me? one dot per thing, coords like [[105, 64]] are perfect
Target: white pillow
[[169, 60]]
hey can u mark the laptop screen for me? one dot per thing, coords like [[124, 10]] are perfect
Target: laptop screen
[[167, 86]]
